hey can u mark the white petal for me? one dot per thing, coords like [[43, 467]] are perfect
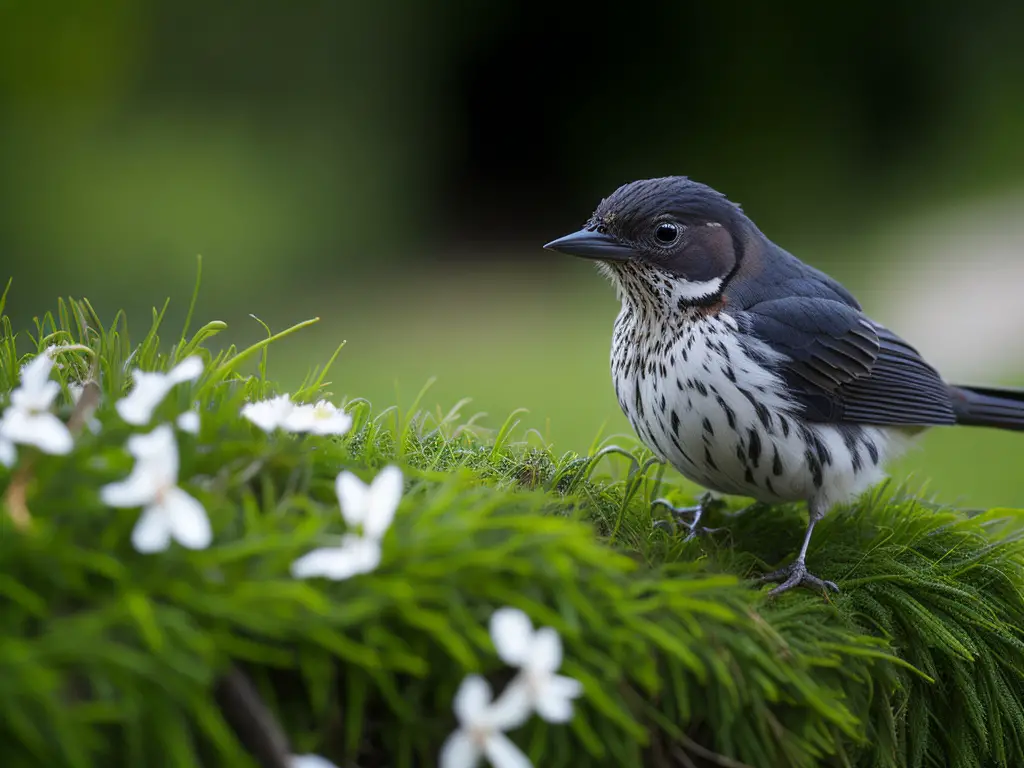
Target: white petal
[[35, 373], [339, 424], [189, 422], [7, 453], [187, 519], [353, 496], [150, 389], [354, 557], [472, 699], [189, 369], [554, 699], [502, 753], [512, 635], [268, 415], [152, 532], [43, 430], [512, 708], [35, 399], [385, 495], [546, 653], [459, 751], [139, 488], [156, 454], [309, 761]]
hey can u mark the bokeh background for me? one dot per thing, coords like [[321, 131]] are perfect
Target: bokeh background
[[394, 168]]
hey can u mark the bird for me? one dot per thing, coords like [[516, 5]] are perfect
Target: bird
[[751, 372]]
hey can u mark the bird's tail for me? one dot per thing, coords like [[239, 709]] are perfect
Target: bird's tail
[[988, 407]]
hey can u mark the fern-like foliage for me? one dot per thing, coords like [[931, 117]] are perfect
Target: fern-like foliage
[[110, 657]]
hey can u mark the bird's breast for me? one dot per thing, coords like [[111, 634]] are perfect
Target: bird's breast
[[702, 402]]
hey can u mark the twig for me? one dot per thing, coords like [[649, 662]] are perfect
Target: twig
[[254, 724]]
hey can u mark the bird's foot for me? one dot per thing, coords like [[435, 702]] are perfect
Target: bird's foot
[[796, 575], [680, 514]]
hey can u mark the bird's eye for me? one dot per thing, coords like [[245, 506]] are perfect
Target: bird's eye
[[666, 233]]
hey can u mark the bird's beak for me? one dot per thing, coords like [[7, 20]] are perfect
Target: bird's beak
[[591, 245]]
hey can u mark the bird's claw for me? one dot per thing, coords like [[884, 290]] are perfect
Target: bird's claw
[[796, 575], [679, 515]]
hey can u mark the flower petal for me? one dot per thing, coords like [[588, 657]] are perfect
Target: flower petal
[[353, 496], [37, 399], [459, 751], [472, 699], [150, 389], [300, 419], [512, 635], [189, 422], [35, 372], [502, 753], [268, 415], [512, 708], [546, 653], [309, 761], [7, 453], [187, 519], [137, 489], [554, 699], [189, 369], [339, 424], [354, 557], [43, 430], [152, 532], [385, 496]]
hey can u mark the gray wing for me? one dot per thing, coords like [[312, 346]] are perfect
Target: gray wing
[[841, 367]]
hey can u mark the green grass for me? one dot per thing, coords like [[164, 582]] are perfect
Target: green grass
[[109, 657]]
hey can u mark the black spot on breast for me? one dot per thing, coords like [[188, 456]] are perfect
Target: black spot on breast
[[872, 451], [663, 404], [686, 355], [748, 476], [814, 466], [701, 388], [754, 446], [730, 414], [785, 425], [636, 399], [768, 484], [730, 374], [675, 421], [707, 426], [710, 461], [776, 461], [679, 384]]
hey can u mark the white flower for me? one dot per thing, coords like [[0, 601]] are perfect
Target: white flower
[[280, 412], [355, 556], [310, 761], [538, 655], [481, 726], [28, 420], [188, 422], [371, 506], [270, 414], [151, 387], [168, 511], [324, 418]]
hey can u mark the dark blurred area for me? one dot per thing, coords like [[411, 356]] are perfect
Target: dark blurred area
[[394, 167]]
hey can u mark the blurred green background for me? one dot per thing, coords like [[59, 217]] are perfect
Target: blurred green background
[[394, 169]]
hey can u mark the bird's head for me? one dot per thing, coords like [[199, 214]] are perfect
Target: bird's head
[[663, 240]]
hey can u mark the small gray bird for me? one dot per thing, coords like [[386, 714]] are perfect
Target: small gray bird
[[750, 372]]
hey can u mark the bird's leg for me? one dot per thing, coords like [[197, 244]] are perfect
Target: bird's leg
[[704, 503], [796, 574]]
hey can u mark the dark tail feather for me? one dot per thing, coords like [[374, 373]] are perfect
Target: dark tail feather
[[986, 407]]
